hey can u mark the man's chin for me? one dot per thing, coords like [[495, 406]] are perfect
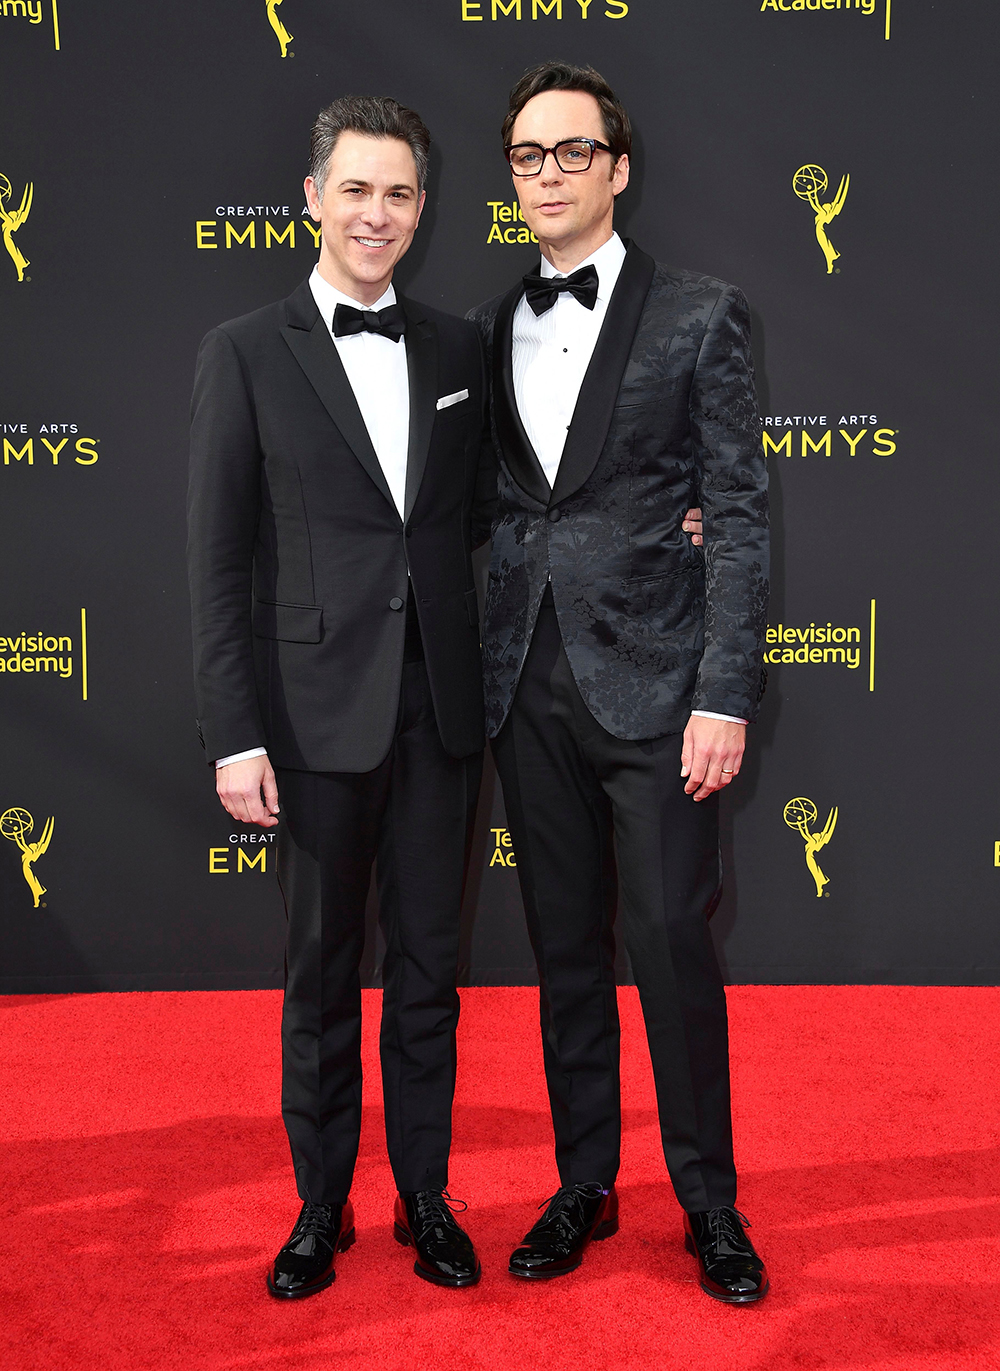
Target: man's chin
[[372, 263], [554, 230], [372, 269]]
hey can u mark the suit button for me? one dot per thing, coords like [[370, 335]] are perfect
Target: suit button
[[409, 533], [554, 516], [395, 603]]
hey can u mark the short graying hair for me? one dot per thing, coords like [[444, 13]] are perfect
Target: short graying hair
[[374, 116]]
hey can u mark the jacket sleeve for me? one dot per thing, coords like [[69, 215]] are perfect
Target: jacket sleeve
[[725, 427], [223, 512]]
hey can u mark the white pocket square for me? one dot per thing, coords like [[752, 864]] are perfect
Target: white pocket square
[[447, 400]]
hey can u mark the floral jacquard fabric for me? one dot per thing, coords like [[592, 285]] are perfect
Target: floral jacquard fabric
[[653, 627]]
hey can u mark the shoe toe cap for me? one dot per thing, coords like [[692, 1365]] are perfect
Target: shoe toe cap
[[459, 1268], [297, 1283], [285, 1282], [738, 1281], [523, 1259], [529, 1261], [292, 1272]]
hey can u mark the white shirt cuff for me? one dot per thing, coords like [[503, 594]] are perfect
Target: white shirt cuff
[[707, 714], [241, 756]]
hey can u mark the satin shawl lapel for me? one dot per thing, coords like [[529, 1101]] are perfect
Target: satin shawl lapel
[[515, 445], [599, 392], [422, 372], [316, 353]]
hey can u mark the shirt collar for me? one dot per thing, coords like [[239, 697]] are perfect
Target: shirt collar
[[328, 297], [607, 259]]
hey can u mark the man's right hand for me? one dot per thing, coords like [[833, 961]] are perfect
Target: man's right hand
[[692, 524], [239, 787]]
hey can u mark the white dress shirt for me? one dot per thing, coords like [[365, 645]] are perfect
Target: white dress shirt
[[376, 369], [551, 353]]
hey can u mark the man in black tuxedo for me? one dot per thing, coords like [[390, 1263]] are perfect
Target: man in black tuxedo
[[335, 451], [622, 665]]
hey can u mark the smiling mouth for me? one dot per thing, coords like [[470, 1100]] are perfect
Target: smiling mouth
[[374, 242]]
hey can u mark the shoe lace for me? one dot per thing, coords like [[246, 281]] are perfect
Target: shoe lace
[[314, 1221], [726, 1226], [567, 1204], [431, 1207]]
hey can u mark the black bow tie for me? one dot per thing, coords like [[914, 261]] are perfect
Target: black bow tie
[[389, 322], [541, 292]]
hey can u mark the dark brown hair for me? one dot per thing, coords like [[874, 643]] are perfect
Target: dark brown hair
[[565, 76], [375, 116]]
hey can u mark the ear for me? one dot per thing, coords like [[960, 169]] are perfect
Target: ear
[[619, 177], [420, 207], [312, 198]]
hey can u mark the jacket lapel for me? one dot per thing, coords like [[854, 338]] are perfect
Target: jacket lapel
[[588, 430], [520, 457], [422, 372], [316, 353]]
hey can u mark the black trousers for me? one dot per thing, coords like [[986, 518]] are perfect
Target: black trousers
[[412, 816], [576, 796]]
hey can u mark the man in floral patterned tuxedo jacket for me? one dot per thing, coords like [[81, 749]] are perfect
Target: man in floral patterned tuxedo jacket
[[622, 663]]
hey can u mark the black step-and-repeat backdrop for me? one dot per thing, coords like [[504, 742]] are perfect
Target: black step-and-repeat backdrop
[[835, 159]]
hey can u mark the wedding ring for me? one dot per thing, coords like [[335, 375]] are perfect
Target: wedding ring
[[729, 772]]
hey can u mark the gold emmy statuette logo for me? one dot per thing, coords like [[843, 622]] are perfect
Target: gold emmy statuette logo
[[809, 183], [799, 814], [16, 824], [283, 36], [11, 221]]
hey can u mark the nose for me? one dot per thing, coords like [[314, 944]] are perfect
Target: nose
[[551, 173], [376, 215]]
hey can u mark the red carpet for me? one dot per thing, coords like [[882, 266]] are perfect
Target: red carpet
[[146, 1184]]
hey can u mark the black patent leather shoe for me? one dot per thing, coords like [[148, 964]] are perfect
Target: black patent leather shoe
[[576, 1215], [445, 1255], [305, 1263], [728, 1266]]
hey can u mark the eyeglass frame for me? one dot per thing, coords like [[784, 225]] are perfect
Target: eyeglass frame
[[594, 143]]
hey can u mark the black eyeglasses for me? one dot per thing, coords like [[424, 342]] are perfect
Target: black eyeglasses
[[572, 154]]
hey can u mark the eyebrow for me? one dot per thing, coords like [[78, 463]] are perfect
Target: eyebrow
[[570, 138], [357, 181]]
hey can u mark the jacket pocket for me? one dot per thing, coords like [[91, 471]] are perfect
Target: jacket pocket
[[288, 623], [664, 576]]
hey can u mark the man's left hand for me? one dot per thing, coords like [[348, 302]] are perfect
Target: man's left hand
[[711, 755]]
